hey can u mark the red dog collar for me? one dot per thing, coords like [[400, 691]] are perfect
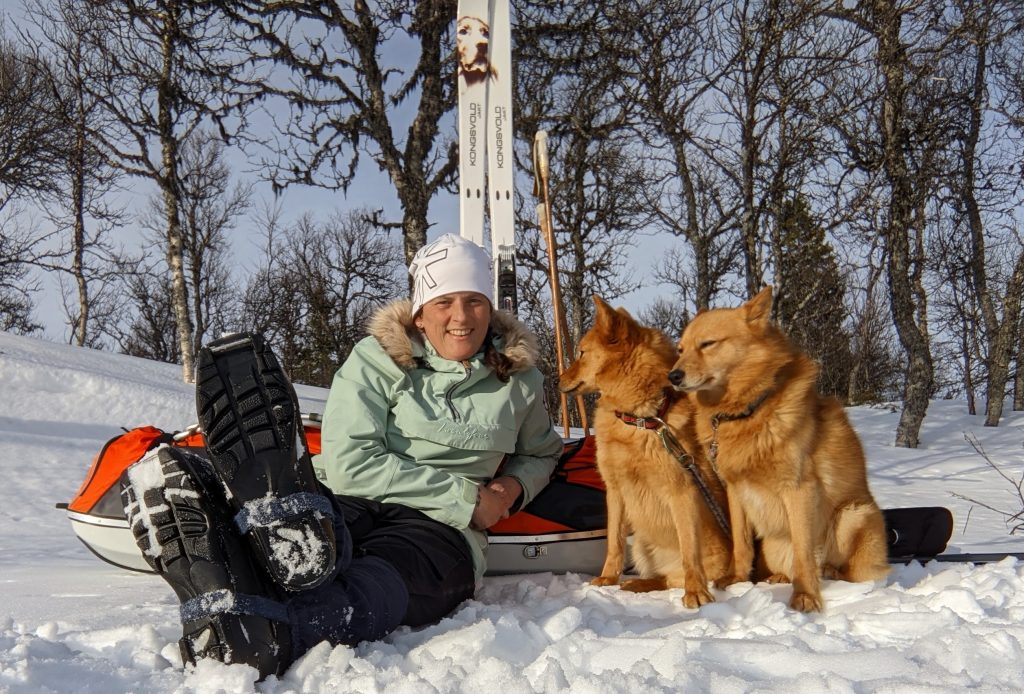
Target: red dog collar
[[655, 422]]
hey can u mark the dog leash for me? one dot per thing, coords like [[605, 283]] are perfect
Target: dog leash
[[676, 450]]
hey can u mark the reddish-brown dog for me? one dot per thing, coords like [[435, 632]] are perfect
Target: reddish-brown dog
[[793, 467], [677, 542]]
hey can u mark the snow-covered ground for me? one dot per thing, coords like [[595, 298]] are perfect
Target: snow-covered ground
[[71, 623]]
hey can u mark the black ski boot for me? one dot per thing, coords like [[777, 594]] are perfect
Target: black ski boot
[[250, 417], [229, 610]]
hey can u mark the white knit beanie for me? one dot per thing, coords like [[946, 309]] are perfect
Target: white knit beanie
[[450, 264]]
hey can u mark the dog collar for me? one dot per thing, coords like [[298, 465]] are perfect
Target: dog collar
[[719, 417], [655, 422]]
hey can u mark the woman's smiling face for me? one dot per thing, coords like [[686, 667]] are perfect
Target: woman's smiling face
[[456, 324]]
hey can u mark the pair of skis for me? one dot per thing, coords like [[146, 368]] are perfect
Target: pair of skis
[[483, 47], [483, 43]]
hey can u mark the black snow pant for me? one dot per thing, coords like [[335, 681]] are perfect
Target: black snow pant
[[395, 566]]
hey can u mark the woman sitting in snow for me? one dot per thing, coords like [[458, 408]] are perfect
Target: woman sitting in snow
[[435, 429]]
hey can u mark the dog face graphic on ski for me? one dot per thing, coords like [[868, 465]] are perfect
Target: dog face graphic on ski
[[472, 43]]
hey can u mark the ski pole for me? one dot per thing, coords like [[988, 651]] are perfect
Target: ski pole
[[541, 189]]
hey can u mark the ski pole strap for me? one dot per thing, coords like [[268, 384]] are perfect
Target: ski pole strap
[[676, 450], [225, 601], [262, 513]]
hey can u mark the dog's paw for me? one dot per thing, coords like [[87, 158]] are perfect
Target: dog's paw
[[832, 573], [777, 578], [805, 602], [726, 581], [605, 581], [644, 585], [696, 598]]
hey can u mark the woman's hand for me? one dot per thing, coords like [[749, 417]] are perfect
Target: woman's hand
[[496, 498], [509, 489]]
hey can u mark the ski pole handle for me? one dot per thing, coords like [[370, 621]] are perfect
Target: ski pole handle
[[540, 154]]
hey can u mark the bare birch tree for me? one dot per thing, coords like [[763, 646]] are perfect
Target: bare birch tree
[[987, 184], [163, 71], [595, 212], [80, 207], [1009, 81], [1018, 374], [958, 348], [211, 206], [902, 152]]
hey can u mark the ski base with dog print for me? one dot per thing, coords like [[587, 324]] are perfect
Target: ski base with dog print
[[483, 43]]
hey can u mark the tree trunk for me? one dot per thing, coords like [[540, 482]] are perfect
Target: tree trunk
[[179, 288], [196, 254], [414, 234], [1018, 379], [965, 347], [748, 221], [752, 62], [701, 246], [199, 331], [1004, 346], [920, 370], [78, 236], [1001, 333], [998, 375], [912, 334], [169, 189]]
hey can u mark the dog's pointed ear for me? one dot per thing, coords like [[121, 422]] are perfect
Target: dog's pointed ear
[[759, 309], [626, 327], [615, 324], [605, 313]]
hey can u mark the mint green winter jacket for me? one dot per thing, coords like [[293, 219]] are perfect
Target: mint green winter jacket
[[405, 425]]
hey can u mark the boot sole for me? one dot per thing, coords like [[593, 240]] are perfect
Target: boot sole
[[181, 538], [251, 420]]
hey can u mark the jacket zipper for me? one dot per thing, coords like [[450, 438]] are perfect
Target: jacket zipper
[[448, 393]]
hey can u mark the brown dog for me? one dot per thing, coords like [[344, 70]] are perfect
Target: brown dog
[[677, 542], [793, 467]]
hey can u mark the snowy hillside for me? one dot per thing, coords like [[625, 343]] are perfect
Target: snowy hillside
[[71, 623]]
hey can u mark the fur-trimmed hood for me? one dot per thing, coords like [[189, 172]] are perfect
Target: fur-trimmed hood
[[392, 326]]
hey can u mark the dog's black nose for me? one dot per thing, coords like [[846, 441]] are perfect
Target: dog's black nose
[[676, 376]]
